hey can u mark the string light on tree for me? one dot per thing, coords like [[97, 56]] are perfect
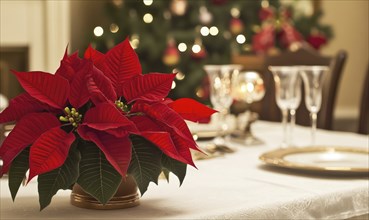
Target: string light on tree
[[148, 18], [205, 16], [204, 31], [118, 3], [241, 39], [265, 3], [198, 51], [196, 48], [235, 12], [182, 47], [135, 41], [179, 74], [200, 92], [114, 28], [98, 31], [148, 2], [179, 7], [213, 31]]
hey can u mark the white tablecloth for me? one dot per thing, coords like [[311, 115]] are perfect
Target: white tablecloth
[[236, 186]]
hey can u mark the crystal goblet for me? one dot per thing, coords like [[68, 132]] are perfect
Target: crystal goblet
[[220, 77], [313, 78], [288, 96]]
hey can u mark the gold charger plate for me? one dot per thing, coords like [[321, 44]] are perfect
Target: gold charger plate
[[205, 134], [325, 159], [208, 134]]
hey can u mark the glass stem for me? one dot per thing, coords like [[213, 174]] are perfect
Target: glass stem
[[238, 123], [292, 125], [219, 140], [314, 117], [284, 124], [223, 121]]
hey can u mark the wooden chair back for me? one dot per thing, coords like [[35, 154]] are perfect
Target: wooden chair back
[[364, 107]]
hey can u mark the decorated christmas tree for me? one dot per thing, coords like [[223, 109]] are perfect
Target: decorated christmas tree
[[182, 35]]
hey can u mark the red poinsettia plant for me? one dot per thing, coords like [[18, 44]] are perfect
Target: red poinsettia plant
[[95, 121]]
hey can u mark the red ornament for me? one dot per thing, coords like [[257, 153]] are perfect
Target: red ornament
[[266, 13], [236, 26], [171, 54], [316, 40], [285, 13], [289, 35], [198, 54], [264, 40]]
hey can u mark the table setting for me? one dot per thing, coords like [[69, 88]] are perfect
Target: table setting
[[307, 156], [245, 168]]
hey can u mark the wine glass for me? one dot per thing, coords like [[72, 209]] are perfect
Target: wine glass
[[295, 100], [313, 77], [288, 96], [248, 86], [220, 77]]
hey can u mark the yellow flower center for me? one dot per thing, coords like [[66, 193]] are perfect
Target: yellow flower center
[[71, 116], [122, 106]]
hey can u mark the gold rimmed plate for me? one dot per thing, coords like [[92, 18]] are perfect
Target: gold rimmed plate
[[206, 134], [323, 159]]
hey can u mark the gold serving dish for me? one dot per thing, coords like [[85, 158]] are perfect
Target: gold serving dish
[[324, 159]]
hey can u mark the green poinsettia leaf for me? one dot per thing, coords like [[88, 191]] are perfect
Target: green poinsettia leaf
[[71, 186], [17, 171], [166, 174], [145, 164], [61, 178], [97, 176], [174, 166]]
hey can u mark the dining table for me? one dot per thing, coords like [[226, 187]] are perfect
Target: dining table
[[237, 185]]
